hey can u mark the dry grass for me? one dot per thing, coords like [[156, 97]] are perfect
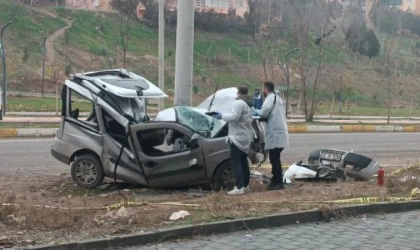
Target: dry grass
[[404, 183], [43, 225]]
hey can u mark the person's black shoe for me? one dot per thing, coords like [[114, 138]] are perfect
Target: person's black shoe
[[274, 186]]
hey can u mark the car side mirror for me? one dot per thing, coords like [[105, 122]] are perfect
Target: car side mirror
[[194, 141]]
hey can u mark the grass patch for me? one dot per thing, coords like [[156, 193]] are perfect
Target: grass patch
[[34, 104], [29, 28], [367, 111], [98, 33], [29, 125]]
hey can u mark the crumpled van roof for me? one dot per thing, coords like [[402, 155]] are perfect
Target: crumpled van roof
[[124, 83]]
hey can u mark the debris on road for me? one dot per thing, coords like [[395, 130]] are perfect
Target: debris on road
[[262, 178], [410, 178], [121, 213], [179, 215], [415, 193], [196, 193], [331, 165], [298, 172]]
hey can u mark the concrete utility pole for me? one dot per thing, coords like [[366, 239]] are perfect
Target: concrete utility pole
[[184, 53], [3, 57], [161, 104]]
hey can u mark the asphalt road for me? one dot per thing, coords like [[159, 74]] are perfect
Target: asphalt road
[[373, 232], [389, 149]]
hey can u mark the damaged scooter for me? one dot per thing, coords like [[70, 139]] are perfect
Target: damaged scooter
[[332, 165]]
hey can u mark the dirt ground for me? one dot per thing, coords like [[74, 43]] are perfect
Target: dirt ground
[[38, 209]]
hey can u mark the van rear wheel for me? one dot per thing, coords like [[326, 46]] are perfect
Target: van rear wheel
[[87, 171]]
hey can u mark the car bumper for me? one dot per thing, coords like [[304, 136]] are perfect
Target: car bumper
[[366, 173], [57, 150]]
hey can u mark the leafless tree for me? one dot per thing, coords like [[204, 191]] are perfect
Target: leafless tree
[[265, 18], [306, 17], [390, 45], [55, 72], [127, 12]]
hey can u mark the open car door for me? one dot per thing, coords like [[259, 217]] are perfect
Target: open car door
[[170, 154]]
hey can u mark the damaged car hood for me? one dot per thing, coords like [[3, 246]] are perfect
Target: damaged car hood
[[222, 102]]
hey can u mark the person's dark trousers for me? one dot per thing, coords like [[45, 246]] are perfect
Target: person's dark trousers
[[240, 165], [245, 169], [276, 170]]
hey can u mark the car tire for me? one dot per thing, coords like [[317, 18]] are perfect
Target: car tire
[[87, 171], [224, 178]]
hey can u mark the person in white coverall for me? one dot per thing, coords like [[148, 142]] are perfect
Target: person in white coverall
[[276, 134], [240, 137]]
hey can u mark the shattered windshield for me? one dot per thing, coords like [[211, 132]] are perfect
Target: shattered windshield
[[202, 124]]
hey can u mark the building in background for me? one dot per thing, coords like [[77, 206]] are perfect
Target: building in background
[[92, 5], [223, 6], [218, 6], [404, 5]]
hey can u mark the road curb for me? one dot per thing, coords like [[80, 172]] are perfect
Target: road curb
[[233, 226], [293, 129], [32, 132]]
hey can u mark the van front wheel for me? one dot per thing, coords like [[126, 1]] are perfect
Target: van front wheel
[[224, 178], [87, 171]]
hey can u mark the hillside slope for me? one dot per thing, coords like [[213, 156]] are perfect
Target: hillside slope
[[92, 43]]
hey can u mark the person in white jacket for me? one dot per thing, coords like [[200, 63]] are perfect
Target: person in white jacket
[[276, 134], [240, 137]]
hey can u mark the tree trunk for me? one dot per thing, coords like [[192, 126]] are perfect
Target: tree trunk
[[298, 106], [56, 99], [124, 55], [124, 48], [305, 104], [355, 60], [332, 106], [347, 103], [265, 70], [411, 108], [389, 102], [310, 117]]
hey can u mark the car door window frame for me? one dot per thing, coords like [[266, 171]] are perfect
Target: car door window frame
[[164, 153], [93, 127], [159, 125]]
